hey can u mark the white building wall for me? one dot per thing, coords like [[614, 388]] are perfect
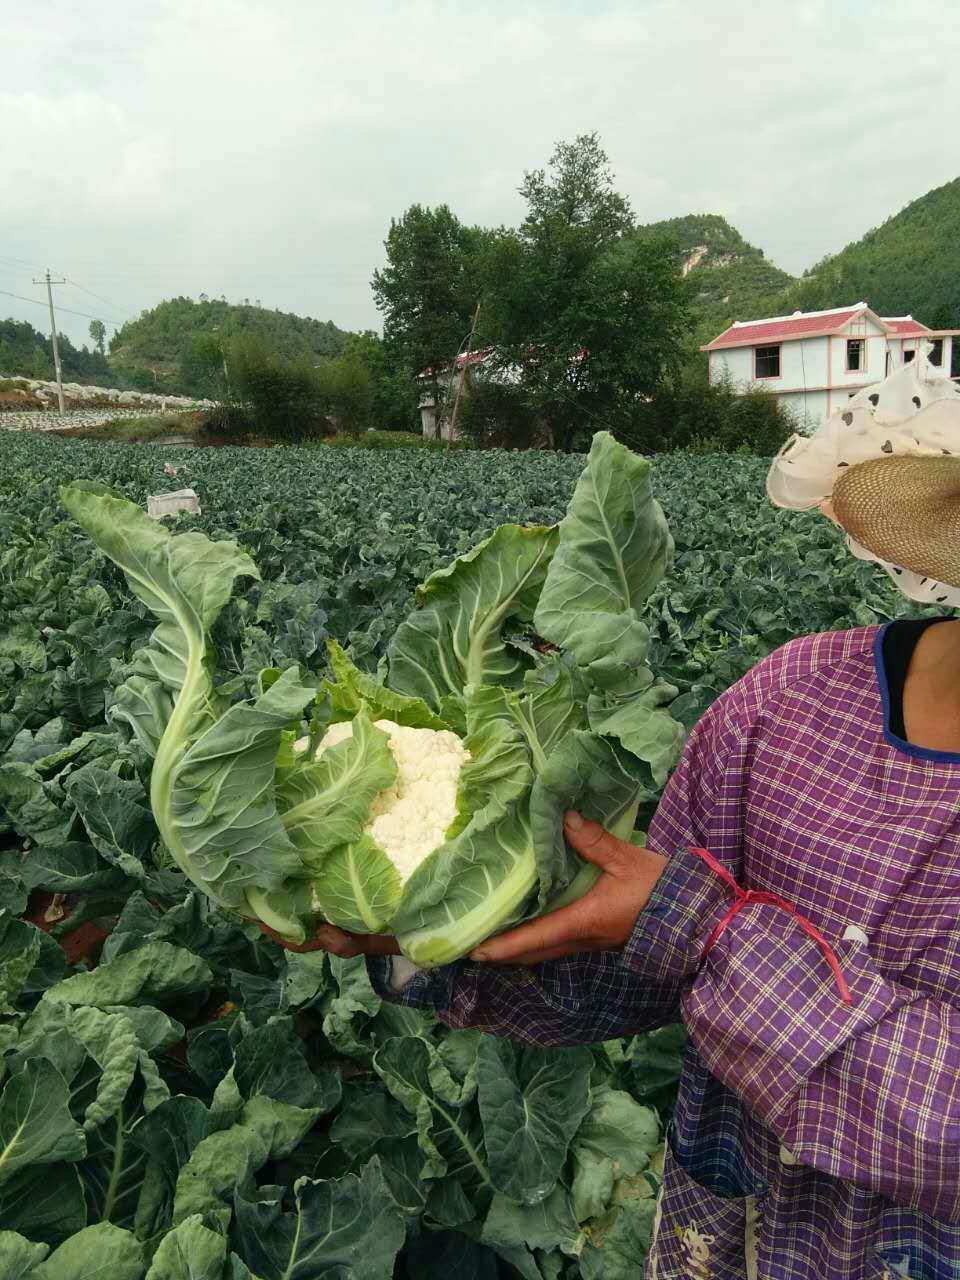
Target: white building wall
[[428, 411], [814, 378], [736, 363], [809, 408], [803, 364]]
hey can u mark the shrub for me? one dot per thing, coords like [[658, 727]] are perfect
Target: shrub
[[714, 417], [395, 396], [496, 415], [41, 367], [226, 421], [282, 397], [347, 390]]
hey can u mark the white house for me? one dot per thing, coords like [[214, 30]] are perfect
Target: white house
[[447, 379], [813, 360]]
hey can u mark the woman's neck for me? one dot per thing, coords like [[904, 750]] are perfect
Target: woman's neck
[[931, 692]]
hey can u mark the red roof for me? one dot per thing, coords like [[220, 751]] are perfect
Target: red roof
[[477, 357], [906, 328], [472, 357], [801, 326], [465, 358]]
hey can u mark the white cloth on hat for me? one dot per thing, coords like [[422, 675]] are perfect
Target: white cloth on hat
[[914, 411]]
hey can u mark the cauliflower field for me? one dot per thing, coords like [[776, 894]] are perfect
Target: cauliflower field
[[182, 1100]]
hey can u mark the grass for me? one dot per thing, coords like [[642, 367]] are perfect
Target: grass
[[133, 430], [136, 430]]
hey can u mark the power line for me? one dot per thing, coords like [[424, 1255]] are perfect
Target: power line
[[123, 311], [112, 305], [19, 296]]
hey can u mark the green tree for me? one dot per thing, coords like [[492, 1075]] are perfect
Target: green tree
[[98, 332], [347, 390], [283, 396], [428, 290], [41, 366], [394, 390], [576, 191], [588, 315], [25, 351], [202, 368]]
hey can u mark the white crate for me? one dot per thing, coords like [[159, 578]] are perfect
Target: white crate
[[168, 504]]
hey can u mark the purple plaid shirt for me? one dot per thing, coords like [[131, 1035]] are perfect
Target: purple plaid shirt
[[812, 1140]]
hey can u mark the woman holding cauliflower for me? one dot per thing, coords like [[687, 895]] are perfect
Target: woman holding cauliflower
[[798, 905]]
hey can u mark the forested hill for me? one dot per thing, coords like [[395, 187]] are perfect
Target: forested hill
[[729, 277], [157, 338], [910, 264], [26, 352]]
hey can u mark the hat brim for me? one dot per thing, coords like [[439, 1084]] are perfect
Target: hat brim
[[905, 510]]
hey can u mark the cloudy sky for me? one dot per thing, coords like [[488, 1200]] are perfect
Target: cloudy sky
[[258, 148]]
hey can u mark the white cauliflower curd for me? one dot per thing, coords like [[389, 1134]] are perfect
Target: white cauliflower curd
[[409, 819]]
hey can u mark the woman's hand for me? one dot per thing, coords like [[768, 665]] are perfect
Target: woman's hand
[[338, 943], [602, 920]]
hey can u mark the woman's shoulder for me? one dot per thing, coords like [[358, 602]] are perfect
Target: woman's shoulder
[[833, 662]]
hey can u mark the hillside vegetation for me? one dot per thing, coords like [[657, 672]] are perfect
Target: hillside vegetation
[[154, 342], [26, 353], [730, 278], [909, 264]]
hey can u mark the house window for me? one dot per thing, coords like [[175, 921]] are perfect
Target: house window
[[767, 362], [936, 355], [908, 356], [856, 355]]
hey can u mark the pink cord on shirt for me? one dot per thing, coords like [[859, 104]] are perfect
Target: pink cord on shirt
[[745, 896]]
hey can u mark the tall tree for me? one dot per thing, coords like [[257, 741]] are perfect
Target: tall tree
[[588, 315], [428, 289], [98, 332], [394, 391], [576, 191]]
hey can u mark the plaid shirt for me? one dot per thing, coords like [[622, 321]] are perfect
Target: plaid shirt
[[812, 1140]]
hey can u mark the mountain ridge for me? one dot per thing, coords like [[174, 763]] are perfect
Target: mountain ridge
[[730, 279]]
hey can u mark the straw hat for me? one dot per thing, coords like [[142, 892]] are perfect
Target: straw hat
[[885, 467]]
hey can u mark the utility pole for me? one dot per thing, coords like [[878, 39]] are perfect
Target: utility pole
[[53, 334], [463, 374]]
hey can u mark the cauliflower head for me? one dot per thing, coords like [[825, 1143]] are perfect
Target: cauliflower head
[[411, 818]]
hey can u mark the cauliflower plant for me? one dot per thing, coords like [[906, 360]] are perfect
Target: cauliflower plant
[[432, 809]]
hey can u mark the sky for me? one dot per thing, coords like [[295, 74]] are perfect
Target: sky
[[259, 148]]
